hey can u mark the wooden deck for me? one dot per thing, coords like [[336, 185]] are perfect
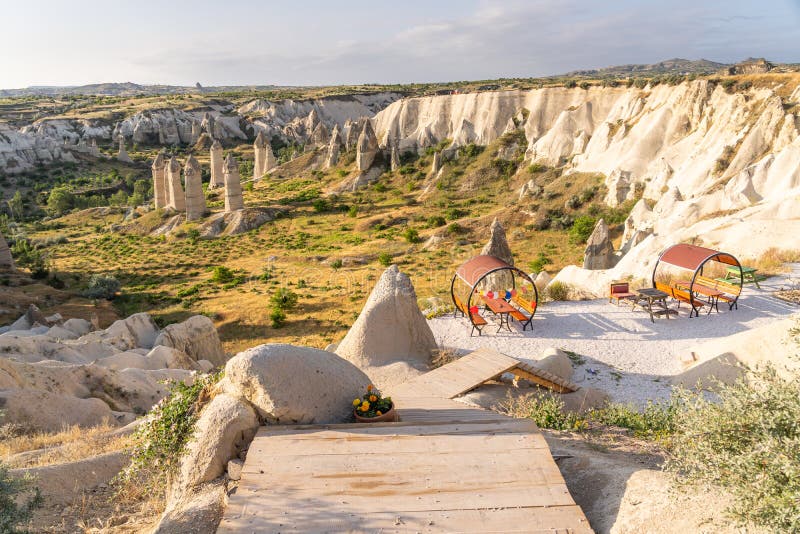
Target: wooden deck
[[445, 467]]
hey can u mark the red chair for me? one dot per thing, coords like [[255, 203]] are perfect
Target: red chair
[[620, 291]]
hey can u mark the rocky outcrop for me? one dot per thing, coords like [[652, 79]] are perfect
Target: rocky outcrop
[[196, 337], [122, 154], [498, 244], [175, 127], [217, 174], [6, 260], [390, 328], [332, 157], [295, 385], [599, 253], [177, 198], [160, 190], [366, 148], [195, 197], [233, 185]]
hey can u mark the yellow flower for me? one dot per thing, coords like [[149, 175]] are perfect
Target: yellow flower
[[373, 398], [356, 402], [364, 406], [378, 413]]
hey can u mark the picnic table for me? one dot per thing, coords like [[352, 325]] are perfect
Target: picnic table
[[712, 294], [500, 308], [748, 275], [649, 296]]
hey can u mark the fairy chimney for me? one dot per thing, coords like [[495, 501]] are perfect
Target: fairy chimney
[[159, 168], [217, 177], [177, 200], [395, 158], [122, 155], [195, 198], [6, 261], [332, 157], [259, 148], [367, 147], [269, 158], [233, 185], [498, 247], [320, 135], [196, 131], [437, 162]]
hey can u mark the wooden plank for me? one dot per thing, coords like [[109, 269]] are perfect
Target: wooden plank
[[528, 520]]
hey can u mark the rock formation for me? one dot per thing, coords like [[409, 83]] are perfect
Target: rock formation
[[233, 185], [332, 157], [6, 261], [93, 148], [177, 198], [436, 164], [367, 147], [395, 158], [196, 131], [122, 155], [390, 328], [270, 162], [195, 197], [498, 245], [160, 192], [196, 336], [217, 176], [619, 188], [320, 135], [259, 150], [599, 252]]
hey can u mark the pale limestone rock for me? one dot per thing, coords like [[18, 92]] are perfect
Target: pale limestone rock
[[79, 327], [225, 427], [160, 192], [639, 219], [198, 511], [217, 176], [277, 380], [436, 164], [542, 280], [498, 245], [6, 260], [259, 150], [207, 124], [320, 135], [234, 469], [122, 154], [332, 157], [555, 361], [599, 252], [351, 131], [46, 411], [395, 158], [195, 197], [390, 328], [233, 185], [270, 162], [196, 337], [196, 131], [619, 187], [94, 150], [367, 147], [177, 198]]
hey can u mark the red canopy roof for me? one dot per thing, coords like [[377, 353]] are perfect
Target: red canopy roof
[[476, 268], [691, 256]]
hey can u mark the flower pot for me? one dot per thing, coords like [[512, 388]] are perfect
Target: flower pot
[[388, 417]]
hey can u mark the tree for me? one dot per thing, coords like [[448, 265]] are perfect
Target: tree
[[17, 206], [60, 201]]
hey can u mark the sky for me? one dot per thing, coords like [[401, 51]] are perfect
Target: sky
[[316, 42]]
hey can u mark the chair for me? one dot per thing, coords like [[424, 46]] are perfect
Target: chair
[[620, 291]]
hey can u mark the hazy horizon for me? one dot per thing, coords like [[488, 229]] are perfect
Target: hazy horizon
[[316, 43]]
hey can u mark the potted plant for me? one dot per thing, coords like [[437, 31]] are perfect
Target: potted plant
[[373, 407]]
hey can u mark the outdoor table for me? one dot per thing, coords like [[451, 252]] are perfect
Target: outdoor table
[[712, 294], [649, 296], [748, 275], [500, 308]]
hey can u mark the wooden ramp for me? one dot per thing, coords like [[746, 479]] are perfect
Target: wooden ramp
[[445, 467]]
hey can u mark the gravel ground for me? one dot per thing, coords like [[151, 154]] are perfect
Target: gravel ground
[[618, 350]]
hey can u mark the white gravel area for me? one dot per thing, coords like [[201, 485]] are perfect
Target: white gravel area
[[624, 353]]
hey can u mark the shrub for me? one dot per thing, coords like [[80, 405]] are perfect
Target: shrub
[[102, 286], [411, 235], [585, 85], [537, 168], [570, 84], [746, 442], [385, 259], [538, 264], [277, 317], [15, 510], [546, 410], [284, 299], [31, 258], [454, 228], [222, 275], [436, 221], [581, 229], [574, 202], [655, 421], [337, 264], [162, 438], [558, 291], [728, 84], [320, 205], [353, 211]]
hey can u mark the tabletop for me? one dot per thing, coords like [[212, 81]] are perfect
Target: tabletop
[[700, 288], [651, 293], [498, 305]]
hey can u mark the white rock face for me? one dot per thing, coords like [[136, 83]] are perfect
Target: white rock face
[[177, 198], [390, 328], [366, 148], [277, 380], [45, 411], [160, 191], [20, 151], [196, 337], [599, 253], [497, 245], [233, 185], [332, 157], [174, 127], [195, 197]]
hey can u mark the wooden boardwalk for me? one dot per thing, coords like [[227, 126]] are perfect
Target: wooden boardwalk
[[445, 467]]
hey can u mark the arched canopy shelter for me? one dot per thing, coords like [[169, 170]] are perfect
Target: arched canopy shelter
[[706, 276], [519, 292]]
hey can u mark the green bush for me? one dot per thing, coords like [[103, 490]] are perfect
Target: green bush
[[162, 438], [385, 259], [558, 291], [546, 410], [581, 229], [15, 507], [337, 264], [320, 205], [411, 235], [222, 275], [748, 442], [537, 265], [102, 286], [284, 299], [570, 84], [277, 317], [656, 421], [29, 257]]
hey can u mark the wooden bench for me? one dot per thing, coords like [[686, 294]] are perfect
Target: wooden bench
[[526, 305], [620, 291], [478, 322], [682, 296], [731, 291]]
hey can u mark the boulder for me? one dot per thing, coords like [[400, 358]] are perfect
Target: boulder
[[32, 317], [583, 400], [59, 332], [599, 252], [196, 337], [225, 427], [390, 328], [295, 385], [619, 187], [79, 327], [138, 330], [44, 411], [541, 280], [196, 512], [555, 361]]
